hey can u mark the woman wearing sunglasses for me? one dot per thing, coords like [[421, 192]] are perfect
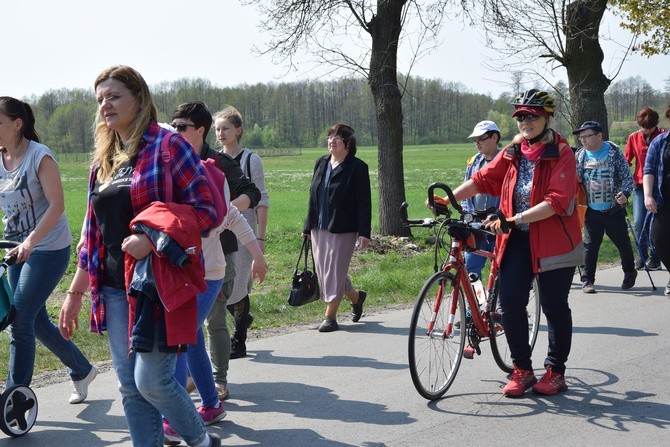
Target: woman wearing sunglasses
[[536, 179]]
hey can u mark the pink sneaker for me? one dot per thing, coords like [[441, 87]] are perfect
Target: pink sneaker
[[170, 436], [211, 415]]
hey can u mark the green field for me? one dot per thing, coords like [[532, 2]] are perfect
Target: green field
[[389, 278]]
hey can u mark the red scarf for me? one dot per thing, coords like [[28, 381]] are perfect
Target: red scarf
[[532, 152]]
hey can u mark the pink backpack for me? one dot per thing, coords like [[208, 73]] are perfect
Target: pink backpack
[[215, 177]]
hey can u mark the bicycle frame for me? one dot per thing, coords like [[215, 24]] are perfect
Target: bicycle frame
[[455, 262]]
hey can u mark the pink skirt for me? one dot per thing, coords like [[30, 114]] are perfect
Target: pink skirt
[[332, 256]]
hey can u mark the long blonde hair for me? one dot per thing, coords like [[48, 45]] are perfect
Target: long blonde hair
[[109, 152]]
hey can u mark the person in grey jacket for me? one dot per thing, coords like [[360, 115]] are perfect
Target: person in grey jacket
[[604, 172]]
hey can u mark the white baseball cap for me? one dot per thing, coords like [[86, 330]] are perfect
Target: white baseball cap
[[482, 127]]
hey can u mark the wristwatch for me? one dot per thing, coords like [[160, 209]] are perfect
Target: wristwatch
[[518, 219]]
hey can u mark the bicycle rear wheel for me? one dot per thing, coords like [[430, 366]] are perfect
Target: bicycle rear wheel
[[434, 359], [499, 346]]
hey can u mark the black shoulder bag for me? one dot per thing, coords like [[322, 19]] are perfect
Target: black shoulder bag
[[305, 285]]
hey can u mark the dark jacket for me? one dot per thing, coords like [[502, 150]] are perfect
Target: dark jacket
[[239, 184], [349, 201]]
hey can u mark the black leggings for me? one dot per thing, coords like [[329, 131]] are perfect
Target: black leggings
[[241, 316], [516, 276], [660, 237]]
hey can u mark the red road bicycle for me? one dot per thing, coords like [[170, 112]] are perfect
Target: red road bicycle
[[439, 329]]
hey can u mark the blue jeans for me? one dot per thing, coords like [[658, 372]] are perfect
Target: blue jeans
[[639, 213], [196, 356], [516, 276], [146, 382], [32, 282], [475, 263]]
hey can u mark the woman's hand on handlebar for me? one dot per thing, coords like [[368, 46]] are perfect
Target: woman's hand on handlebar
[[441, 205], [495, 225]]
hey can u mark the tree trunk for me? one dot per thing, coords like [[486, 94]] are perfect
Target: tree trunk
[[385, 30], [583, 63]]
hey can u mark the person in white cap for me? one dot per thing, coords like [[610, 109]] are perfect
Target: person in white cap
[[486, 136]]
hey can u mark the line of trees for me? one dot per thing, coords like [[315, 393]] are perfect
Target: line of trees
[[285, 115]]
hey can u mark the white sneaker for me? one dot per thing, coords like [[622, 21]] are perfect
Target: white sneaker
[[80, 387]]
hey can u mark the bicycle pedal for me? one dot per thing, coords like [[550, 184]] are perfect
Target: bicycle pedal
[[469, 352]]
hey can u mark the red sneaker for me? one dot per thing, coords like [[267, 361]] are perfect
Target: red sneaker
[[551, 383], [521, 380]]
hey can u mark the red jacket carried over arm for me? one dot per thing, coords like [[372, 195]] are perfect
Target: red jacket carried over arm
[[177, 287]]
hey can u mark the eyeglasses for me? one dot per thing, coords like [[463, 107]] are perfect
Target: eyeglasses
[[585, 137], [529, 117], [334, 138], [181, 127], [481, 140]]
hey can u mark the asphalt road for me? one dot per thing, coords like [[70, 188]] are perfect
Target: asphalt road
[[353, 388]]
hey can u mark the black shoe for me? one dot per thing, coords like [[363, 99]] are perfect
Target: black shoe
[[653, 264], [587, 287], [357, 309], [214, 440], [639, 264], [328, 325], [238, 349], [629, 280]]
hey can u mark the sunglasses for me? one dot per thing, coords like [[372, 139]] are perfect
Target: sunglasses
[[529, 117], [181, 127], [481, 140]]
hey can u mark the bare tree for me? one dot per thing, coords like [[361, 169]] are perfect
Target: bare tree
[[563, 33], [362, 36]]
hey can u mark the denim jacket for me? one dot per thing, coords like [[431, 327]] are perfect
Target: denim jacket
[[654, 165]]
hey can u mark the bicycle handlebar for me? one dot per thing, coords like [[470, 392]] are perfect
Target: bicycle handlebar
[[447, 190], [426, 223], [438, 208]]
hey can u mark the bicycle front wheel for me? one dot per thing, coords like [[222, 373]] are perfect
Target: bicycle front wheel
[[434, 355], [499, 346]]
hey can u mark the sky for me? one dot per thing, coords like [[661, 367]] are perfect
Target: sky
[[65, 44]]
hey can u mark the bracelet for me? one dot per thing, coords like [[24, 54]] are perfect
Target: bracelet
[[76, 292], [260, 239]]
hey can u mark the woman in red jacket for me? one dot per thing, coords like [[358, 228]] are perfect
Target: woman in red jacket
[[536, 180], [636, 149]]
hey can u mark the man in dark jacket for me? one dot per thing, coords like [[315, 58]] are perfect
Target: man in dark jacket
[[193, 121]]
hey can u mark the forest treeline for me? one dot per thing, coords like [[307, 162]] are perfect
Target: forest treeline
[[298, 114]]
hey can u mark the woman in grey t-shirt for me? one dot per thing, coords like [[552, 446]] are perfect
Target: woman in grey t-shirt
[[32, 203]]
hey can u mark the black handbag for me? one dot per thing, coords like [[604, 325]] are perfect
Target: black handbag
[[305, 285]]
